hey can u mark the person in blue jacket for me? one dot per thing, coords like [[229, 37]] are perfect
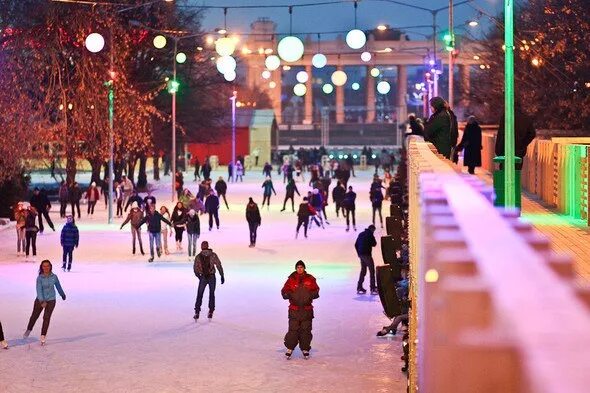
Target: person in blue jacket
[[47, 283], [70, 236], [268, 189]]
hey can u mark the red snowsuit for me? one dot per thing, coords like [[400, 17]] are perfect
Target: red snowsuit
[[300, 289]]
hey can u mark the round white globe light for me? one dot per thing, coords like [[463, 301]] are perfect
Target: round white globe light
[[375, 72], [94, 42], [290, 49], [272, 84], [180, 57], [266, 74], [299, 89], [159, 41], [225, 46], [339, 78], [355, 86], [366, 56], [302, 77], [356, 39], [225, 64], [230, 76], [272, 62], [383, 87], [327, 88], [319, 60]]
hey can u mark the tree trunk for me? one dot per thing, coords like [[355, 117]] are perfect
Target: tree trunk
[[131, 169], [70, 166], [96, 165], [106, 169], [156, 160], [141, 175], [119, 166]]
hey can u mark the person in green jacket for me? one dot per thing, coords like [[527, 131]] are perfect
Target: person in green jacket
[[442, 129]]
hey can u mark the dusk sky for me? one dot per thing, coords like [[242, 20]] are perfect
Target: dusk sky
[[340, 17]]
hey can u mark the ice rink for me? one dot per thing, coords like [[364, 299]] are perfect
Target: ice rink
[[127, 325]]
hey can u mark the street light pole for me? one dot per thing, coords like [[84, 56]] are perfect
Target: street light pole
[[174, 122], [510, 175], [435, 73], [451, 59], [111, 129], [233, 99]]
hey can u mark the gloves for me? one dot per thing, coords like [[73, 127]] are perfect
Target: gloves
[[222, 280], [63, 297]]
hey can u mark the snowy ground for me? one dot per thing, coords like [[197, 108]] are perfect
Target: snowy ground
[[127, 325]]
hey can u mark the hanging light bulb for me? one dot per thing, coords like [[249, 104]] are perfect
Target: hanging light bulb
[[180, 57], [319, 60], [327, 88], [366, 56], [356, 86], [383, 87], [272, 84], [290, 49], [302, 77], [230, 76], [266, 74], [159, 41], [225, 64], [356, 39], [339, 78], [94, 42], [375, 72], [299, 89], [272, 62], [225, 46]]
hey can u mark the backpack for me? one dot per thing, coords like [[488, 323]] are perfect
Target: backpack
[[206, 265]]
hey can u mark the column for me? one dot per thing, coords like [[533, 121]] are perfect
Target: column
[[308, 114], [370, 96], [339, 101], [402, 91], [465, 84]]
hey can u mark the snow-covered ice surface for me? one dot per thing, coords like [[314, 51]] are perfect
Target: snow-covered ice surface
[[127, 325]]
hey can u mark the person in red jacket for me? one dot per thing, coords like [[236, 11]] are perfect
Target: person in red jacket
[[92, 195], [301, 288]]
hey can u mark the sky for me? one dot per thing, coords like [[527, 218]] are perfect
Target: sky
[[340, 17]]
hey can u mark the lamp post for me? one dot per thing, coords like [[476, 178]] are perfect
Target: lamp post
[[233, 99], [451, 59], [173, 92], [510, 175]]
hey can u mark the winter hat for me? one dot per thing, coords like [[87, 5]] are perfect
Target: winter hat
[[300, 263], [191, 212], [69, 218], [134, 205], [371, 227]]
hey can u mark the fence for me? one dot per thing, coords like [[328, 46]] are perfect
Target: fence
[[493, 308]]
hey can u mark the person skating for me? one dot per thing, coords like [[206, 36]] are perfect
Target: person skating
[[154, 221], [185, 198], [166, 229], [92, 196], [128, 187], [230, 172], [70, 238], [221, 189], [197, 169], [376, 197], [268, 190], [47, 283], [204, 267], [239, 171], [3, 341], [256, 154], [63, 198], [364, 248], [178, 183], [300, 289], [179, 216], [349, 205], [41, 203], [254, 220], [212, 208], [20, 217], [206, 169], [134, 198], [149, 199], [317, 201], [338, 198], [193, 231], [267, 170], [118, 191], [31, 230], [291, 189], [303, 214], [135, 216]]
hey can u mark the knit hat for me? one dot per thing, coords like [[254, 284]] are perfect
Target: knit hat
[[134, 205], [192, 212], [300, 263]]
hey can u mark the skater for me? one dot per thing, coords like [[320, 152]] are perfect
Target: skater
[[364, 246], [41, 203], [206, 169], [178, 183], [204, 268], [376, 197], [149, 199], [303, 217], [128, 188], [31, 230], [300, 289], [193, 231], [166, 229], [212, 208], [267, 170], [3, 342], [197, 168], [134, 198], [135, 216], [291, 189], [239, 171], [317, 201], [20, 216], [92, 196], [254, 220], [119, 199], [349, 208], [70, 238], [154, 220], [63, 198], [185, 198], [230, 172], [268, 188], [178, 221], [74, 195], [256, 154], [338, 197], [221, 189], [47, 282]]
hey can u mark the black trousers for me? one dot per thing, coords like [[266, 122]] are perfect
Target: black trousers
[[213, 215], [267, 199], [1, 332], [62, 208], [377, 209], [77, 205], [253, 228], [367, 263], [67, 257], [338, 206], [178, 233], [203, 282], [37, 309], [292, 198], [300, 325], [350, 212], [31, 240], [91, 205], [224, 200], [119, 207], [302, 221], [45, 214]]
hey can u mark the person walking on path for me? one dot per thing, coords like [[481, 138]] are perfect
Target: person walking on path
[[349, 206], [291, 189], [193, 231], [471, 144], [221, 189], [31, 230], [20, 217], [70, 238], [338, 197], [204, 267], [239, 171], [300, 289], [254, 220], [441, 128], [3, 342], [364, 244], [303, 214], [92, 196], [212, 208], [154, 221], [47, 283], [166, 229], [41, 203], [63, 198], [179, 215], [268, 189], [135, 216]]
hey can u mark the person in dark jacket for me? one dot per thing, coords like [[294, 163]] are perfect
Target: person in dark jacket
[[303, 214], [300, 289], [221, 189], [40, 202], [254, 220], [267, 170], [197, 168], [364, 246], [154, 220], [63, 198], [206, 169], [471, 144], [416, 126], [349, 207], [338, 197], [135, 198], [524, 133], [441, 129], [193, 231], [291, 189], [230, 172], [70, 238], [74, 195], [268, 189], [212, 208], [376, 197], [204, 267], [179, 216], [149, 199], [178, 183], [135, 216], [31, 230]]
